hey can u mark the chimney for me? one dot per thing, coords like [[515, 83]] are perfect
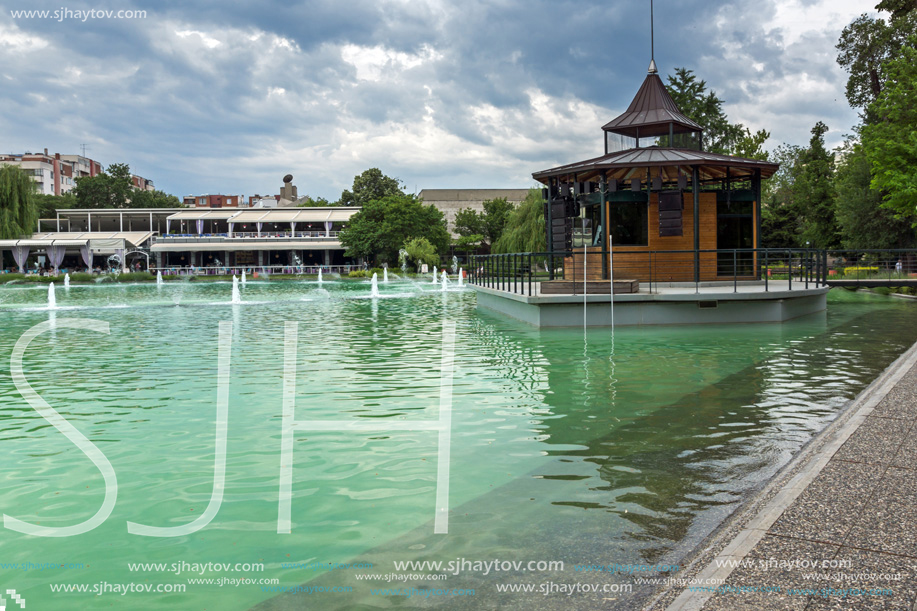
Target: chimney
[[46, 152]]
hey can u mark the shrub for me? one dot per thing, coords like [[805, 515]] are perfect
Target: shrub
[[862, 271], [135, 277], [35, 278], [357, 273], [81, 277]]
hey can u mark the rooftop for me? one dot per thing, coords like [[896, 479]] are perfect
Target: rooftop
[[651, 113]]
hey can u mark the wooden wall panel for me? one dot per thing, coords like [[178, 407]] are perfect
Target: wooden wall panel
[[631, 262]]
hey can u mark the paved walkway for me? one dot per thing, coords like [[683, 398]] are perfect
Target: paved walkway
[[847, 505]]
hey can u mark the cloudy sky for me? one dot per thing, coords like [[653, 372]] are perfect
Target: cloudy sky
[[213, 97]]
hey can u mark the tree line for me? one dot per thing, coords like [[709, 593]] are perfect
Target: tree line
[[862, 195]]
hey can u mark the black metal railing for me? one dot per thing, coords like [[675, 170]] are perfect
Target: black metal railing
[[520, 273], [889, 267]]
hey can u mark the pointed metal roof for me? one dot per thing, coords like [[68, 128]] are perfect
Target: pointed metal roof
[[651, 112]]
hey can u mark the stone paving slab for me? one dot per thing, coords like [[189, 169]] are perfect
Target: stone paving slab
[[816, 517], [900, 402], [763, 565], [889, 521], [906, 458], [876, 441], [848, 505], [873, 568]]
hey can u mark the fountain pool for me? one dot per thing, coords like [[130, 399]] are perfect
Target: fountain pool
[[582, 450]]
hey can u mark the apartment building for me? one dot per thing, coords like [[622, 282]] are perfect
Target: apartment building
[[56, 174], [53, 174]]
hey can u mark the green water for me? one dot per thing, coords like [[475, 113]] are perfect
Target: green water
[[586, 450]]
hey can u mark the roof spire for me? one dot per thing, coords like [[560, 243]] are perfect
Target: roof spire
[[652, 68]]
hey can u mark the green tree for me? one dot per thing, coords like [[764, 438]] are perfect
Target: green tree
[[863, 222], [780, 216], [890, 143], [380, 229], [153, 199], [525, 229], [371, 184], [469, 242], [868, 43], [706, 109], [751, 145], [109, 189], [48, 205], [421, 251], [120, 185], [468, 222], [18, 211], [496, 215], [315, 202], [477, 228], [814, 187], [898, 8]]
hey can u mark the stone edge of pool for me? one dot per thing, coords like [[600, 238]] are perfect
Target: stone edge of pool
[[749, 524], [710, 305]]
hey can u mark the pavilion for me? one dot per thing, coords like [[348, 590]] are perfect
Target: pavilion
[[655, 231], [664, 204]]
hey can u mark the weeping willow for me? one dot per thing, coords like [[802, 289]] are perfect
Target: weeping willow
[[525, 229], [18, 210]]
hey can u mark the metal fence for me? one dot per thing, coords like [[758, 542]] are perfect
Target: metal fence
[[520, 273], [872, 267]]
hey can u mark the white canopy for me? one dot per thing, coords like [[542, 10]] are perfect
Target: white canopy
[[268, 215], [233, 245], [104, 240], [204, 215]]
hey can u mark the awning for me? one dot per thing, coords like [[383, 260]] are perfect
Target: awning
[[205, 215], [294, 215], [101, 240], [73, 243]]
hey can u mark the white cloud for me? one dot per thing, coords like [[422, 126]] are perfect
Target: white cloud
[[372, 63], [206, 40], [17, 41], [794, 18]]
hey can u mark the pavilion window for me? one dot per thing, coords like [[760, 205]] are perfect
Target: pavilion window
[[594, 215], [629, 223]]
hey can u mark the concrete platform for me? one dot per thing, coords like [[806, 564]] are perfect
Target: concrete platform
[[666, 304], [847, 504]]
